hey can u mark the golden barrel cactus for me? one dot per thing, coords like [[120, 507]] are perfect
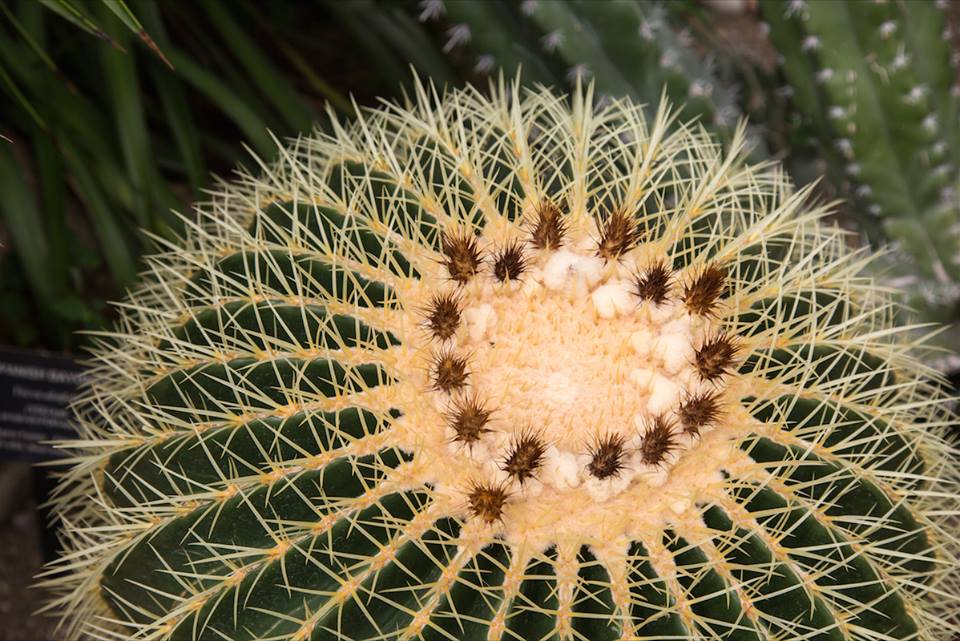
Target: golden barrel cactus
[[510, 366]]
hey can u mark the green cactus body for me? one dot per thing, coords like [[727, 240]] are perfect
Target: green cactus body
[[630, 45], [625, 47], [876, 81], [509, 367]]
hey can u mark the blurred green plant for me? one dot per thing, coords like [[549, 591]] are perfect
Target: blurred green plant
[[875, 84], [636, 48], [116, 114]]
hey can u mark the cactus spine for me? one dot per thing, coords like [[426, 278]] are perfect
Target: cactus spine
[[509, 367]]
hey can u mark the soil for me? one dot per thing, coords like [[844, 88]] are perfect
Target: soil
[[21, 558]]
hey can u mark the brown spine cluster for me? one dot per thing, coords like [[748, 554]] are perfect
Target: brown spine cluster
[[703, 292], [509, 262], [653, 283], [658, 441], [715, 357], [698, 411], [443, 315], [461, 255], [607, 456], [526, 456], [449, 371], [550, 228], [468, 419], [618, 235], [487, 501]]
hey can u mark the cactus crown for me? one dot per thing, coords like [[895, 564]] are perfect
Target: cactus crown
[[509, 367]]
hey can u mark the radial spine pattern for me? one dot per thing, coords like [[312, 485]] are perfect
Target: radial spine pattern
[[510, 366]]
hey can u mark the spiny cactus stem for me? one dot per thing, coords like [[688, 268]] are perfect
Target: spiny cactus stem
[[690, 417]]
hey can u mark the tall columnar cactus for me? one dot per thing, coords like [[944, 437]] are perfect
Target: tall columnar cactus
[[877, 83], [510, 367], [626, 47]]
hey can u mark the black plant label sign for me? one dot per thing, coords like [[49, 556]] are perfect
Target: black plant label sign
[[35, 392]]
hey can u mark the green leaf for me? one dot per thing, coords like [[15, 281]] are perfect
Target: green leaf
[[260, 71], [175, 107], [37, 49], [73, 308], [124, 96], [122, 11], [113, 243], [317, 83], [152, 196], [223, 96], [179, 119], [351, 17], [25, 226], [53, 200], [70, 11], [19, 96]]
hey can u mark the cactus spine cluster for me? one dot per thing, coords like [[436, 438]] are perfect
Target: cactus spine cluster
[[509, 366]]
